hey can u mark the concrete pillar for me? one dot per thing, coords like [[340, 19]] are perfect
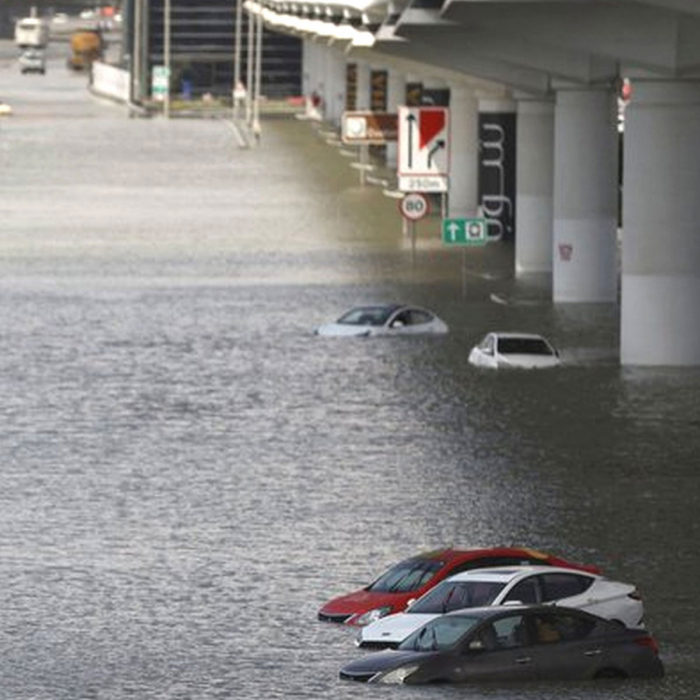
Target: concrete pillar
[[338, 81], [534, 181], [585, 196], [364, 88], [396, 96], [333, 85], [464, 155], [307, 68], [661, 222]]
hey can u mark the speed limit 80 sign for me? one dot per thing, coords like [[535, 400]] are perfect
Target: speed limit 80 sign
[[414, 206]]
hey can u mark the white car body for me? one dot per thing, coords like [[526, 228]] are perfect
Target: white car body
[[507, 586], [386, 320], [32, 61], [523, 350]]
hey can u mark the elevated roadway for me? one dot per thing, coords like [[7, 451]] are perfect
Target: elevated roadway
[[559, 64]]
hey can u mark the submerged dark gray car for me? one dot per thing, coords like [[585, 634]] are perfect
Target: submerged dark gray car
[[513, 644]]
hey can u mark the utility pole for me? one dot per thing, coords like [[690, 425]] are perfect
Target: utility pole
[[166, 52], [258, 77], [237, 60]]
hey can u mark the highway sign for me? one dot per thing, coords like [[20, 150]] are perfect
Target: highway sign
[[414, 206], [424, 148], [160, 82], [464, 232], [365, 128]]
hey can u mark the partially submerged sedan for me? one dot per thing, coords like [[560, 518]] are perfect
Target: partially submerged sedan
[[513, 644], [387, 320], [523, 350], [525, 585]]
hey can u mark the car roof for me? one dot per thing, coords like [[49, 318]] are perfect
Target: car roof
[[506, 574], [450, 554], [515, 334]]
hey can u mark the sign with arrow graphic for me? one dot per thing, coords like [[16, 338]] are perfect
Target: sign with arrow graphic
[[424, 149]]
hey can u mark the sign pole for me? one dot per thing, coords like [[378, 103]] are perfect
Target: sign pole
[[413, 244], [166, 51]]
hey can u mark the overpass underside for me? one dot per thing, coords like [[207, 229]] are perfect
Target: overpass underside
[[558, 65]]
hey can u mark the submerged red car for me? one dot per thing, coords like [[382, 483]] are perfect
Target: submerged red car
[[412, 577]]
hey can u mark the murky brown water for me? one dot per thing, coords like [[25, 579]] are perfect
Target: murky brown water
[[188, 473]]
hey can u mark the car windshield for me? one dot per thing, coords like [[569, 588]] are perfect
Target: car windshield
[[440, 634], [523, 346], [453, 595], [367, 316], [407, 576]]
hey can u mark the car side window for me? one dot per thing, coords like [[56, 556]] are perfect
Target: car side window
[[511, 632], [417, 317], [526, 592], [558, 586], [561, 627]]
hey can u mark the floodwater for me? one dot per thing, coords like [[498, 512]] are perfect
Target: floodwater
[[188, 473]]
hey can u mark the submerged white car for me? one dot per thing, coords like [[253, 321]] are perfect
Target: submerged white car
[[524, 350], [529, 585], [389, 320]]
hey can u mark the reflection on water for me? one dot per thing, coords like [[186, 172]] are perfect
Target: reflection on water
[[188, 473]]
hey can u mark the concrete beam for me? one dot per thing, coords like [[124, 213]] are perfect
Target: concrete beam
[[510, 52], [645, 34]]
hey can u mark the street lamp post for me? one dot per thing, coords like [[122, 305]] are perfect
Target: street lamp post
[[167, 57]]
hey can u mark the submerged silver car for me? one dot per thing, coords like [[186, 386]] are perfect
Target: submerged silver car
[[387, 320]]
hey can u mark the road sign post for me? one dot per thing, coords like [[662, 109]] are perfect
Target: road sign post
[[413, 207], [464, 233]]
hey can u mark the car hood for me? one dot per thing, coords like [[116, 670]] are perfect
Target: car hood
[[394, 628], [343, 329], [380, 661], [361, 601], [528, 361]]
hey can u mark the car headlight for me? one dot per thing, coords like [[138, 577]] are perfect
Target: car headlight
[[371, 616], [395, 677]]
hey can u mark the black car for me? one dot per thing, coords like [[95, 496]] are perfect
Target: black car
[[513, 644]]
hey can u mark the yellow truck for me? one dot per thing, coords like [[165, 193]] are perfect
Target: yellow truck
[[86, 46]]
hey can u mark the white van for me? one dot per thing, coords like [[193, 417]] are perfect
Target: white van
[[31, 32]]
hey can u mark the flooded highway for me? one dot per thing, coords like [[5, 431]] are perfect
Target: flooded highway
[[188, 473]]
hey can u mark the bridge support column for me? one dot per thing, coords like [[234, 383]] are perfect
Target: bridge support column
[[660, 241], [534, 182], [364, 88], [464, 159], [334, 93], [396, 96], [585, 196]]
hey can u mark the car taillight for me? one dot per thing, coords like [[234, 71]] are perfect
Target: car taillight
[[648, 641], [635, 595]]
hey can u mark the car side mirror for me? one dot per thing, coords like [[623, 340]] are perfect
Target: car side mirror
[[476, 645], [410, 603]]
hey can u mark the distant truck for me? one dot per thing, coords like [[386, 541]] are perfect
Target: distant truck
[[31, 33], [86, 46]]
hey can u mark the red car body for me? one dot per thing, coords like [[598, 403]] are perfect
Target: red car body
[[411, 578]]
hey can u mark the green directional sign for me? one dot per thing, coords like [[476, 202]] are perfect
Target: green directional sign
[[464, 231]]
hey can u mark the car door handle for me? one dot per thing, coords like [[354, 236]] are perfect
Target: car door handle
[[523, 660], [593, 652]]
